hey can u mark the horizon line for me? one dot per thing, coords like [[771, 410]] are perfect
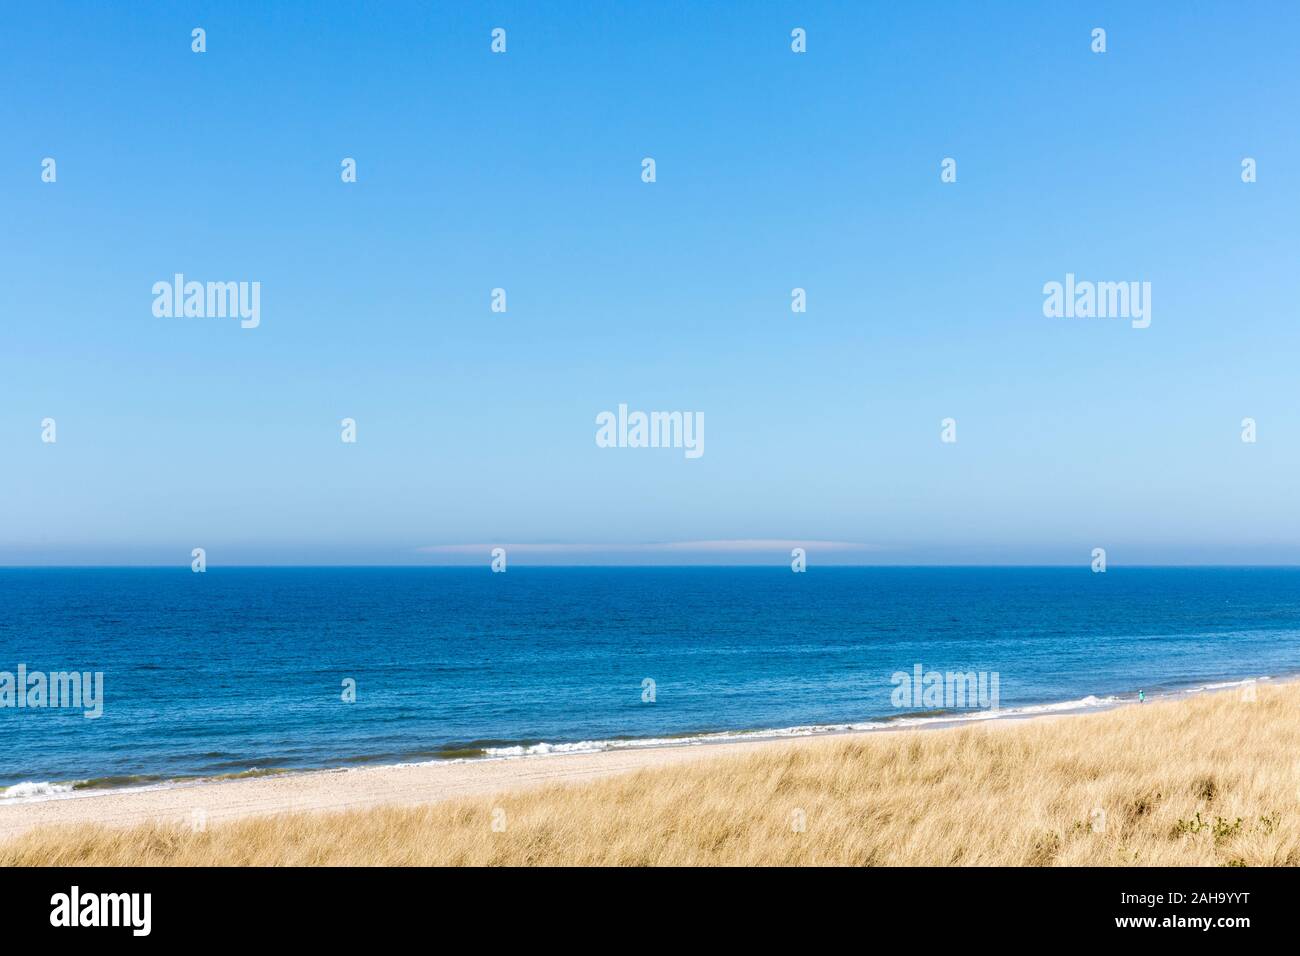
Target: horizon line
[[749, 566]]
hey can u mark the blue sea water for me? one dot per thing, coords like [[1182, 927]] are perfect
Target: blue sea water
[[244, 668]]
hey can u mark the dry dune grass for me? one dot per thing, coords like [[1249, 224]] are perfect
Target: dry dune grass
[[1212, 780]]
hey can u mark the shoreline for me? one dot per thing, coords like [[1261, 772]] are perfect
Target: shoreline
[[41, 791], [406, 784]]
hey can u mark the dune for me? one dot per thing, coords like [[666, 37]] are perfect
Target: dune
[[1205, 780]]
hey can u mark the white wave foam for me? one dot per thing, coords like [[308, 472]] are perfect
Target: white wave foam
[[30, 790], [1027, 710], [596, 746], [1224, 685]]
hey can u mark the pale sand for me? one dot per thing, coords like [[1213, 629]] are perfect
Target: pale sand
[[350, 789], [365, 787]]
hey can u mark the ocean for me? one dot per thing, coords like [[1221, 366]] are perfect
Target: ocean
[[241, 670]]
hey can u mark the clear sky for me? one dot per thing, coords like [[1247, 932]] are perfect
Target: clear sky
[[775, 170]]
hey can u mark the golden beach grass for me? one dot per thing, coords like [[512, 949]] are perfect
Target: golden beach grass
[[1210, 780]]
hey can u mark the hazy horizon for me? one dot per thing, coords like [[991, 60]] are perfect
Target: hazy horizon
[[755, 564]]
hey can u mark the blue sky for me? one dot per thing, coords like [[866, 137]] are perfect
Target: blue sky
[[774, 171]]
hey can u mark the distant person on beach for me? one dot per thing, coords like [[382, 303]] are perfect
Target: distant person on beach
[[1142, 697]]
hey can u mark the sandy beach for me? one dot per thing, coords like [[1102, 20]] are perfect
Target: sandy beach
[[354, 788], [408, 784]]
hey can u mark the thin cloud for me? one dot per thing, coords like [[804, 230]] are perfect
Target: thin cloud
[[720, 546]]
